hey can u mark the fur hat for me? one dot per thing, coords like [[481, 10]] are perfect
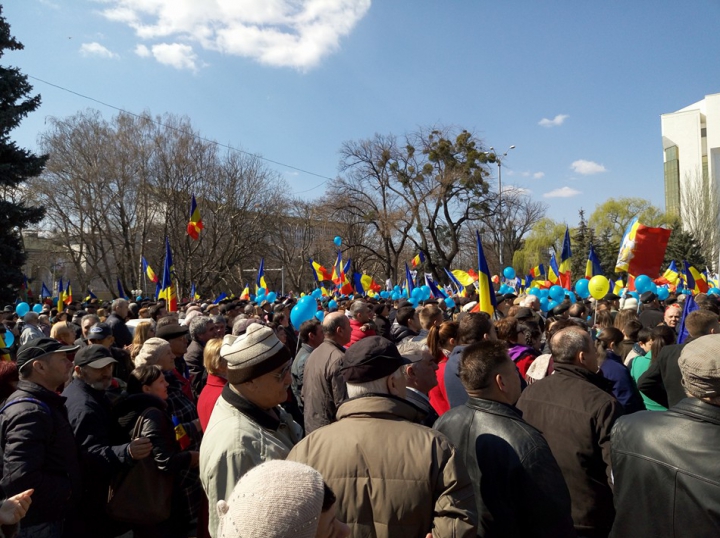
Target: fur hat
[[631, 303], [256, 353], [274, 500], [151, 351]]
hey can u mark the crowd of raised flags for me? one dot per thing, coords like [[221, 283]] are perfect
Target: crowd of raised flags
[[641, 252]]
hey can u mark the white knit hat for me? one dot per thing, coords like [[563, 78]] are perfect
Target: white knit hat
[[278, 499], [630, 303], [256, 353], [151, 351]]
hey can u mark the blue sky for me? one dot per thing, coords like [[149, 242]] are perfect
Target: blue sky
[[291, 80]]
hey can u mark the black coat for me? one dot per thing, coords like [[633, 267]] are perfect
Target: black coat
[[39, 451], [575, 411], [120, 331], [399, 332], [519, 488], [196, 366], [383, 327], [667, 477], [662, 382]]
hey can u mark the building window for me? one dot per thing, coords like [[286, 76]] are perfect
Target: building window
[[672, 181]]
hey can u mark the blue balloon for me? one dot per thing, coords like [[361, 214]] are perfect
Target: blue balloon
[[413, 301], [509, 273], [332, 305], [544, 304], [635, 294], [320, 315], [270, 297], [664, 293], [300, 314], [643, 283], [384, 294], [557, 293], [337, 241], [9, 338], [37, 308], [552, 304], [581, 288], [570, 295], [395, 295], [535, 292], [260, 291], [449, 302], [22, 308], [317, 293], [397, 287], [416, 293], [259, 298], [544, 293]]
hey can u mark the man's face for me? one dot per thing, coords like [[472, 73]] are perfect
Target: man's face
[[672, 316], [316, 338], [362, 315], [218, 330], [178, 345], [122, 310], [590, 357], [511, 380], [85, 326], [208, 334], [97, 378], [271, 388], [56, 369], [344, 333], [424, 373]]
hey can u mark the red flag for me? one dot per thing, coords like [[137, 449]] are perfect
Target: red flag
[[649, 251]]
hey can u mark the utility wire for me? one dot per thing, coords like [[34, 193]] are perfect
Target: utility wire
[[326, 178]]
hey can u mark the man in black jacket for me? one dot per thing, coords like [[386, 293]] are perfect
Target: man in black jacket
[[667, 479], [662, 382], [91, 419], [575, 410], [39, 450], [519, 488], [202, 330]]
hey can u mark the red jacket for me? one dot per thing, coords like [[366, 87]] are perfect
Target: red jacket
[[438, 394], [356, 334], [209, 395]]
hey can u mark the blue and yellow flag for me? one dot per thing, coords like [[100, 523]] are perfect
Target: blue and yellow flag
[[553, 271], [167, 289], [486, 292], [592, 267], [260, 280]]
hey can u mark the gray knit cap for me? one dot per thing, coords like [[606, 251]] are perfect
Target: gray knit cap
[[278, 499], [256, 353]]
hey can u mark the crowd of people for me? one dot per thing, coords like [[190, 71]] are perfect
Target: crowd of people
[[375, 418]]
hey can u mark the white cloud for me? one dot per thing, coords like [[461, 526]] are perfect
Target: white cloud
[[142, 51], [539, 175], [280, 33], [563, 192], [557, 120], [96, 49], [587, 168], [175, 55]]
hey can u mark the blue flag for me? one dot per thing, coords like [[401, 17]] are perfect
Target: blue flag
[[690, 306]]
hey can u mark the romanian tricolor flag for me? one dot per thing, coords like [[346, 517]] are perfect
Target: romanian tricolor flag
[[337, 271], [592, 267], [245, 295], [195, 224], [695, 279], [193, 293], [149, 272], [463, 277], [565, 267], [538, 272], [369, 284], [260, 280], [458, 286], [553, 271], [417, 260], [61, 294], [671, 275], [486, 292], [167, 289], [68, 299], [409, 278], [181, 435], [319, 272], [642, 250]]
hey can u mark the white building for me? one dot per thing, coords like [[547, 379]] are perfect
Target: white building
[[691, 147]]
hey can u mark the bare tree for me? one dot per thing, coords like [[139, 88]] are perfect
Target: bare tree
[[700, 214]]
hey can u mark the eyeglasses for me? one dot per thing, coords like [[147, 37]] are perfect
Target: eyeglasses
[[282, 373]]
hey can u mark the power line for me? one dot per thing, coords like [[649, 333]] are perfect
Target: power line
[[326, 178]]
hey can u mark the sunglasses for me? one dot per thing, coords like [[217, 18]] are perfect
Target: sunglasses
[[282, 373]]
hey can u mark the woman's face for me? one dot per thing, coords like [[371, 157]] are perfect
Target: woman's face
[[157, 388], [167, 361]]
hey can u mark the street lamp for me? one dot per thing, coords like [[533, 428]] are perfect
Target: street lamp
[[498, 160]]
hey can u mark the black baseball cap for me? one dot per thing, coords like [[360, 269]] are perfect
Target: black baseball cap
[[372, 358], [99, 331], [94, 356], [39, 348]]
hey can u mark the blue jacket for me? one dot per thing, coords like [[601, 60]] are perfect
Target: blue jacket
[[623, 385]]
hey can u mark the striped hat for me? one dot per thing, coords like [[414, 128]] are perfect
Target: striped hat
[[256, 353]]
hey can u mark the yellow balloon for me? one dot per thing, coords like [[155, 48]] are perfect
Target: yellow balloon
[[599, 286]]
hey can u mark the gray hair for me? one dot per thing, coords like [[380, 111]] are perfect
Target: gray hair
[[30, 317], [529, 301], [379, 386], [356, 307], [93, 317], [117, 303], [199, 326], [567, 343]]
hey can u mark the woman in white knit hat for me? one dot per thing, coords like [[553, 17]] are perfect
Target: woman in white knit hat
[[280, 499]]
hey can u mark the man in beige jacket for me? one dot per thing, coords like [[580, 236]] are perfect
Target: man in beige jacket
[[393, 478]]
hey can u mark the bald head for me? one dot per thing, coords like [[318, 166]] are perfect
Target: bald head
[[336, 327]]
